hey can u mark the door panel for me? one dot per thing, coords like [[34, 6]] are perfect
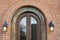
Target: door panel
[[23, 29], [33, 29]]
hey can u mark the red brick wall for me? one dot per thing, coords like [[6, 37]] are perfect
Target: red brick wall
[[50, 8]]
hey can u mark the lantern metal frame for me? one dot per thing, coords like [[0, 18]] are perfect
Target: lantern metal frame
[[5, 26], [51, 26]]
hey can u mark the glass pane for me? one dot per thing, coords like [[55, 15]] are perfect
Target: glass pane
[[23, 29], [33, 29]]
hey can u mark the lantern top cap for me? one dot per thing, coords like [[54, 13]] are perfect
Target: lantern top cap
[[5, 24], [51, 24]]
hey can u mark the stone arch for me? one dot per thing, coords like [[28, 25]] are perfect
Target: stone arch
[[31, 9]]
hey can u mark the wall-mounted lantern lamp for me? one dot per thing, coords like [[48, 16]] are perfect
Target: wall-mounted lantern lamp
[[5, 26], [51, 26]]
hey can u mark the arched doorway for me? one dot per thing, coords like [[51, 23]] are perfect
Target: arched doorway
[[28, 24]]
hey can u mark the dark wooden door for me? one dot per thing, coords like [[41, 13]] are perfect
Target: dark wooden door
[[28, 27]]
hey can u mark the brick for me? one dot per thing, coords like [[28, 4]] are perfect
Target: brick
[[50, 8]]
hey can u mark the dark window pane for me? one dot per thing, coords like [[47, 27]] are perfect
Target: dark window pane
[[33, 29], [23, 29]]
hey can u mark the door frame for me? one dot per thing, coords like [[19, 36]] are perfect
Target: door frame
[[28, 16], [28, 9]]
